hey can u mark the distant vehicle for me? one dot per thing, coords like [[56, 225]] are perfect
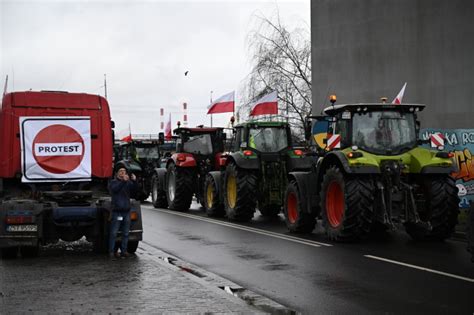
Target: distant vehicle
[[56, 159], [142, 156]]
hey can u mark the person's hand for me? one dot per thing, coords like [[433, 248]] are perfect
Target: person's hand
[[125, 178], [133, 177]]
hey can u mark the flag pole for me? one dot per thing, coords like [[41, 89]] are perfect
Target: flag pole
[[211, 104]]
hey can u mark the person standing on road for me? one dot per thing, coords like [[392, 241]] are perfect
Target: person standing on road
[[120, 188]]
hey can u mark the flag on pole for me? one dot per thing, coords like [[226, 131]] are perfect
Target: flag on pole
[[124, 135], [223, 104], [398, 99], [267, 105], [168, 130]]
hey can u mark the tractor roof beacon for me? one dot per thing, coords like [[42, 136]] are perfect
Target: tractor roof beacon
[[371, 173]]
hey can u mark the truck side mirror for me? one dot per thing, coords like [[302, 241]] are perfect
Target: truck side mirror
[[161, 138], [112, 124], [224, 136]]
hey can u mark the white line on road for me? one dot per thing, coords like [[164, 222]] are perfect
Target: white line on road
[[420, 268], [248, 229]]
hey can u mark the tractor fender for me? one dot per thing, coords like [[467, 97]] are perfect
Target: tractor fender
[[306, 182], [242, 162], [339, 159], [183, 160], [438, 170], [131, 167], [300, 164]]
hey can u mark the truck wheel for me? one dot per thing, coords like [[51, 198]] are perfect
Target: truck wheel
[[346, 205], [297, 220], [180, 188], [440, 209], [158, 194], [212, 204], [240, 193], [132, 246], [9, 252], [270, 210]]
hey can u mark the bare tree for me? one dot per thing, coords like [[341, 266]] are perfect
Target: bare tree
[[281, 61]]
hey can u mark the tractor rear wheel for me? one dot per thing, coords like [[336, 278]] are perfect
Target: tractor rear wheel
[[296, 218], [240, 193], [180, 188], [132, 246], [158, 194], [441, 209], [212, 204], [9, 252], [346, 205]]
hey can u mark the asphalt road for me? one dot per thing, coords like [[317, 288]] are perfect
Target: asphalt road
[[313, 275]]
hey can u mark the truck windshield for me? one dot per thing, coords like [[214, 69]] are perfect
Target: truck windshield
[[384, 132], [270, 139]]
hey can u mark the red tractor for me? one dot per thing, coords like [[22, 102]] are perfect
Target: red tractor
[[198, 152]]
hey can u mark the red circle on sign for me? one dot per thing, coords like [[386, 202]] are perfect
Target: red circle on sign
[[57, 162]]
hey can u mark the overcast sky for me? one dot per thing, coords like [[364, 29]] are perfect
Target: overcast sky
[[144, 47]]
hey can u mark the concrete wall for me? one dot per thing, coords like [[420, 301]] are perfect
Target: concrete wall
[[365, 49]]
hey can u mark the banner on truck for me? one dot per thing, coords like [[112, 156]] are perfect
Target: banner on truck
[[55, 149]]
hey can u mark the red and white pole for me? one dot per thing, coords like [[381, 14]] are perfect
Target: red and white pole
[[185, 114], [162, 124]]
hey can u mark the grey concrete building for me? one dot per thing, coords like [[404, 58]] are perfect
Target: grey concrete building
[[365, 49]]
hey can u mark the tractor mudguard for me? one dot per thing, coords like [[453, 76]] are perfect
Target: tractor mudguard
[[131, 167], [339, 158], [242, 162], [183, 160], [438, 170], [308, 192]]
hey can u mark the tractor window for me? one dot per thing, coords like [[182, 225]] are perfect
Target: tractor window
[[268, 139], [387, 132], [342, 129], [198, 144], [147, 152]]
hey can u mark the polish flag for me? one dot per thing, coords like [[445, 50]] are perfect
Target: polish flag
[[223, 104], [168, 130], [399, 97], [267, 105], [124, 135]]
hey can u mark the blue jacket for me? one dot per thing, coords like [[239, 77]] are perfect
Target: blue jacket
[[120, 192]]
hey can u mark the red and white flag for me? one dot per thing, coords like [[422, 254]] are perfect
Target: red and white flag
[[223, 104], [398, 99], [124, 135], [168, 130], [267, 105]]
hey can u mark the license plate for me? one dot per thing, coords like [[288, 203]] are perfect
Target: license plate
[[22, 228]]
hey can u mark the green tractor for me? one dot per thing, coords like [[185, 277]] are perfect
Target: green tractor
[[140, 157], [255, 174], [372, 175]]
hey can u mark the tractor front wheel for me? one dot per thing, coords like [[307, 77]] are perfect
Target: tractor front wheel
[[212, 204], [346, 205], [180, 188], [440, 210], [296, 218], [240, 193]]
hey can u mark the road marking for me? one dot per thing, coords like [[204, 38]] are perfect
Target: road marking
[[420, 268], [248, 229]]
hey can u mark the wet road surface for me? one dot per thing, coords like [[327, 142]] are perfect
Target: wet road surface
[[313, 275]]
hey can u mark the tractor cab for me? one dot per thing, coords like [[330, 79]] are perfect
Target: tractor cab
[[262, 137], [382, 129]]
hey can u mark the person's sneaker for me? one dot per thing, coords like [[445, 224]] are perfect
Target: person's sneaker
[[112, 256], [117, 255]]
